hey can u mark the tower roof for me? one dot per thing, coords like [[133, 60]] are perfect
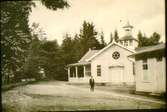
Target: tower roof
[[128, 25]]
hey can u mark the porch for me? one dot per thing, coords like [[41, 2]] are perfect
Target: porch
[[79, 72]]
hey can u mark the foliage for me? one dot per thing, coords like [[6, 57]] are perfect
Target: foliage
[[116, 37], [55, 4], [50, 58], [15, 35], [69, 50], [140, 38], [154, 39], [102, 42], [145, 41], [32, 65], [111, 37], [88, 37]]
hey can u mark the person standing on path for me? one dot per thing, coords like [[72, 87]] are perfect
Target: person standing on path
[[92, 83]]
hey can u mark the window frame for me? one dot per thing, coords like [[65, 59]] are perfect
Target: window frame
[[72, 72], [144, 64], [98, 68], [145, 76], [159, 59], [130, 43], [125, 43]]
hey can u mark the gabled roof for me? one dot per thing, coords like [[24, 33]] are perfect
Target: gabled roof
[[88, 55], [127, 38], [108, 46]]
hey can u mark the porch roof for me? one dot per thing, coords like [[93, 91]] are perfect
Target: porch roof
[[78, 64]]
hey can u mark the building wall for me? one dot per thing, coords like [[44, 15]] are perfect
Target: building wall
[[105, 59], [79, 80], [156, 73], [135, 44]]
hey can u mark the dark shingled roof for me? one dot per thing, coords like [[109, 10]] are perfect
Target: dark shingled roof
[[127, 38], [89, 54], [83, 61], [149, 49]]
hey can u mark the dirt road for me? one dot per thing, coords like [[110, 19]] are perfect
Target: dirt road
[[56, 96]]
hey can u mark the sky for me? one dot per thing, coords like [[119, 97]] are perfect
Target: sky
[[148, 16]]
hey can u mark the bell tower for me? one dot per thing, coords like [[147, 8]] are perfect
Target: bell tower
[[128, 29], [128, 40]]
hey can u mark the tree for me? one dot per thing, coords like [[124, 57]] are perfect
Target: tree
[[55, 4], [154, 39], [140, 39], [78, 46], [102, 42], [145, 41], [68, 50], [116, 37], [88, 37], [111, 38], [32, 65], [50, 59], [16, 36]]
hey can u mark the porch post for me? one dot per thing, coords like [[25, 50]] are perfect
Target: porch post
[[68, 73], [76, 71], [84, 70]]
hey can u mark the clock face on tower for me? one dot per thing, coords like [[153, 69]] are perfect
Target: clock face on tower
[[116, 55]]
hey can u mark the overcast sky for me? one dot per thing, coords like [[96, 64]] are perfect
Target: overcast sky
[[145, 15]]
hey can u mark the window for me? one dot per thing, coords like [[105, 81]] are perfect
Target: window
[[159, 59], [80, 71], [88, 70], [145, 66], [133, 68], [121, 42], [145, 71], [126, 43], [130, 42], [115, 55], [72, 72], [98, 70]]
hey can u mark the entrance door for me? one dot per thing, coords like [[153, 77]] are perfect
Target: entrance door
[[116, 74]]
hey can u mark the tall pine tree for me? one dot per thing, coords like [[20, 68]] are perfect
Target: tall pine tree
[[88, 37], [15, 35], [116, 37], [111, 38]]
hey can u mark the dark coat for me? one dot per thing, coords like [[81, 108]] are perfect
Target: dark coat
[[92, 82]]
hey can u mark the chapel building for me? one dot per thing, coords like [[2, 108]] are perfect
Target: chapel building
[[109, 65]]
